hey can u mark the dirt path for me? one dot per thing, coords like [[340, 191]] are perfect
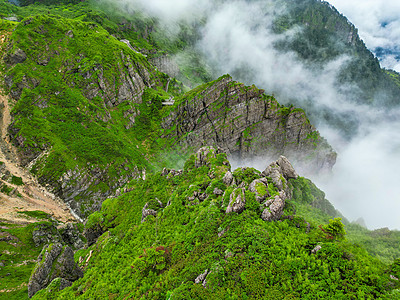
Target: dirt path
[[30, 195]]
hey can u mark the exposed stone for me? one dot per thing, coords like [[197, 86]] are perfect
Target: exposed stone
[[274, 172], [16, 57], [54, 261], [274, 208], [200, 279], [46, 234], [286, 168], [92, 234], [204, 155], [228, 178], [71, 235], [237, 201], [218, 192], [246, 123], [147, 212], [316, 249], [394, 278]]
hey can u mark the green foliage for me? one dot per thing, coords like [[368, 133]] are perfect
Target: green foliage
[[18, 254], [37, 214], [246, 175], [16, 180], [335, 229], [246, 258]]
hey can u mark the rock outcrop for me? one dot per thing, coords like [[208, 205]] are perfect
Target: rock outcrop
[[245, 122], [237, 201], [55, 261]]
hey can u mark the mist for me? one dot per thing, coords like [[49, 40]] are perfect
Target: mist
[[237, 38]]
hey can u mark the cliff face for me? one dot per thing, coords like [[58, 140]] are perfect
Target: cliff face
[[246, 123], [76, 92]]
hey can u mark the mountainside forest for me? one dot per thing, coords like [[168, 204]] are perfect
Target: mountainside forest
[[118, 137]]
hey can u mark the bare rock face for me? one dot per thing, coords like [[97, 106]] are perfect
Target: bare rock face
[[228, 178], [245, 122], [286, 168], [280, 171], [237, 201], [55, 261], [274, 208]]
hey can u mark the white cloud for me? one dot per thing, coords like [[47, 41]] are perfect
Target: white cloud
[[378, 22]]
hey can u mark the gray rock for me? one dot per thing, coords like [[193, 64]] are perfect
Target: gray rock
[[200, 279], [71, 235], [274, 208], [93, 233], [147, 212], [316, 249], [46, 234], [54, 261], [218, 192], [274, 172], [237, 201], [228, 178], [246, 123], [17, 57], [287, 169], [203, 156]]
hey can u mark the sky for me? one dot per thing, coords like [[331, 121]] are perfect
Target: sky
[[378, 22]]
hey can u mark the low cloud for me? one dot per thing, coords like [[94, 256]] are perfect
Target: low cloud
[[378, 22]]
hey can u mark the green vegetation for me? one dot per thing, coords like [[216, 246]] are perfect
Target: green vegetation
[[37, 214], [72, 98], [18, 255], [245, 257]]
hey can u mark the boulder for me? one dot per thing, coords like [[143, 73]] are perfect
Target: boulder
[[54, 261], [228, 179], [274, 172], [286, 168], [16, 57], [274, 208], [237, 201]]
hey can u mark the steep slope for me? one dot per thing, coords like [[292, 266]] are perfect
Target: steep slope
[[199, 233], [326, 34], [77, 92]]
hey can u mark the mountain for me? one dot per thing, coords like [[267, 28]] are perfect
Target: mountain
[[101, 115]]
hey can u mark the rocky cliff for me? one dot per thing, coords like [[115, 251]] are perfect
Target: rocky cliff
[[246, 123]]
